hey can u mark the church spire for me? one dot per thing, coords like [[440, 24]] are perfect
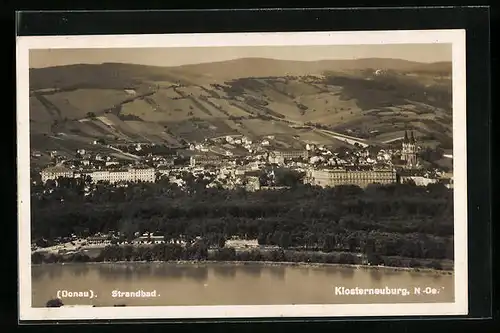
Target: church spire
[[406, 137], [412, 137]]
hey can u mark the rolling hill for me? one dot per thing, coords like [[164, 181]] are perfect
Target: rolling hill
[[372, 99], [262, 67], [118, 75]]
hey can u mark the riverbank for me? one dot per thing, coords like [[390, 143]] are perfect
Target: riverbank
[[262, 263], [197, 253]]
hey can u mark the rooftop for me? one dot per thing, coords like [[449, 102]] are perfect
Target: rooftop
[[355, 170], [56, 169]]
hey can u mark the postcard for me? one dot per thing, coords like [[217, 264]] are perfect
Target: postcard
[[242, 175]]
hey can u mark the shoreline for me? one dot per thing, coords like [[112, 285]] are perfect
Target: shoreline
[[266, 264]]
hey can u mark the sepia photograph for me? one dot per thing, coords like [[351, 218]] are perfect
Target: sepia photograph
[[235, 175]]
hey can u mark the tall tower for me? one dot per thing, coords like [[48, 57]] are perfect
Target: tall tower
[[409, 150]]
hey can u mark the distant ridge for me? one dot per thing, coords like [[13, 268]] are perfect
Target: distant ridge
[[122, 74], [361, 63], [247, 67], [435, 67]]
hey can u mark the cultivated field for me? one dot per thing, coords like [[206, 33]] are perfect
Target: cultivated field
[[265, 127], [194, 91], [197, 131], [228, 107], [294, 88], [39, 113], [208, 100], [152, 132], [314, 137], [142, 109], [80, 102], [64, 145]]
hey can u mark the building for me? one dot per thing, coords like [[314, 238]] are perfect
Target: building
[[119, 176], [242, 243], [246, 140], [149, 239], [279, 157], [409, 151], [99, 240], [206, 160], [292, 154], [310, 147], [276, 159], [98, 176], [132, 175], [168, 162], [147, 175], [447, 179], [55, 172], [252, 183], [419, 180], [361, 178], [274, 188]]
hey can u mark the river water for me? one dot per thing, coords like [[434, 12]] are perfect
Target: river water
[[231, 284]]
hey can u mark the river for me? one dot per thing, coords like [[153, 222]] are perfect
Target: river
[[231, 284]]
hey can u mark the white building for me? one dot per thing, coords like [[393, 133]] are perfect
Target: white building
[[242, 243], [55, 172], [98, 176], [144, 175], [335, 177], [310, 147], [119, 176], [419, 180], [276, 159], [131, 175], [246, 140]]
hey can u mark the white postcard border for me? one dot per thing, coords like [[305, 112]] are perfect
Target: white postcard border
[[455, 37]]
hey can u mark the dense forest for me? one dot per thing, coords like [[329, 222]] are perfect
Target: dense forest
[[401, 220]]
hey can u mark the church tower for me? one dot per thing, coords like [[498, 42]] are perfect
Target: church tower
[[409, 150]]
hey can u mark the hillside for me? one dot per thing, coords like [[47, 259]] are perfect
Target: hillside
[[261, 67], [372, 99], [116, 75]]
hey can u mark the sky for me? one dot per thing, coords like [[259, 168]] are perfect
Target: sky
[[170, 57]]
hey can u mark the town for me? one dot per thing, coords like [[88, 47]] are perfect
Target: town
[[230, 163], [236, 161]]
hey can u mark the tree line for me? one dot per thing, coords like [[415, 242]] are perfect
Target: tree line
[[199, 251], [398, 219]]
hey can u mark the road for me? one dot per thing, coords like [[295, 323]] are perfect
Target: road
[[392, 140], [339, 136], [348, 139], [217, 152], [124, 153]]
